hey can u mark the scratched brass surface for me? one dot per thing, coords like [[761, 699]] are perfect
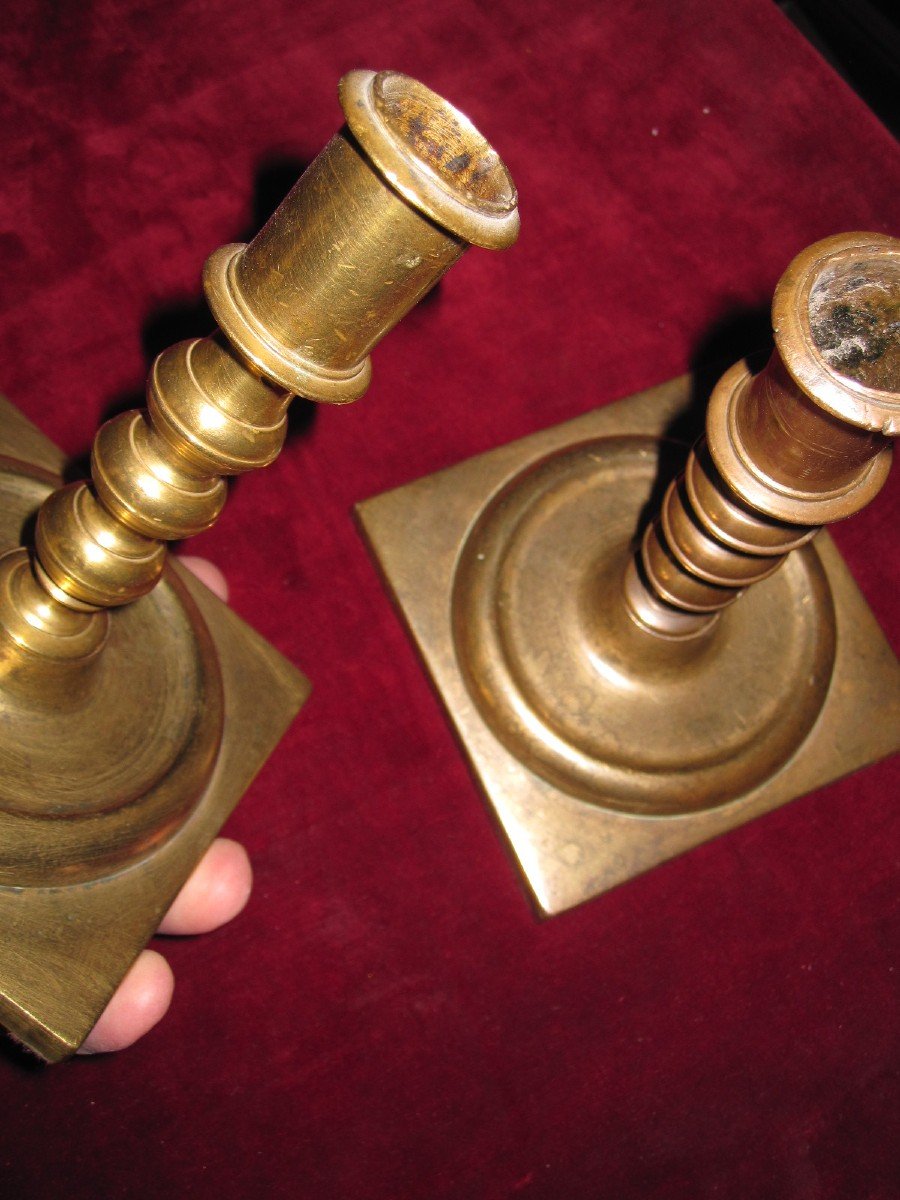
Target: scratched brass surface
[[579, 827], [380, 215]]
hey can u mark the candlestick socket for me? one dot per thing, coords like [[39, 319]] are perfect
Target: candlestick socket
[[328, 276]]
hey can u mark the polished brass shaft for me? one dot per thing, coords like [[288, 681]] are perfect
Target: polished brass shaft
[[387, 207], [803, 443]]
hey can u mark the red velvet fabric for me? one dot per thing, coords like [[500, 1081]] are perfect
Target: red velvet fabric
[[388, 1019]]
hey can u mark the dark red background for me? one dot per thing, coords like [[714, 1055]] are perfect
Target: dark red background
[[388, 1019]]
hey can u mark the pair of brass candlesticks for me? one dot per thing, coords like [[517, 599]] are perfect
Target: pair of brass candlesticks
[[618, 710], [129, 735]]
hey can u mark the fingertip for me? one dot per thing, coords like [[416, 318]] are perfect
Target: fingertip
[[207, 572], [141, 1000], [215, 893]]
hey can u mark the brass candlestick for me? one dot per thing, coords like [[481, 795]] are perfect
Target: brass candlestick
[[803, 443], [621, 707], [129, 735]]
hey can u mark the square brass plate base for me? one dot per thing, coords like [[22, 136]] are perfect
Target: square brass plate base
[[568, 849], [64, 950]]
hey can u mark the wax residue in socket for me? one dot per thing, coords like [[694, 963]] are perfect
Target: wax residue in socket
[[854, 317]]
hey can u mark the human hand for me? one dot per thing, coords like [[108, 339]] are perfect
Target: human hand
[[216, 891]]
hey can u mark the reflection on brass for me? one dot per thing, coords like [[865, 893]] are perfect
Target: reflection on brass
[[618, 706], [128, 735]]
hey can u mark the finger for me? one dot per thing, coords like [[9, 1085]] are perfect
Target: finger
[[141, 999], [207, 573], [216, 891]]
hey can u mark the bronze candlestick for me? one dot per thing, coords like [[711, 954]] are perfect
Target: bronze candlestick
[[620, 708], [137, 708]]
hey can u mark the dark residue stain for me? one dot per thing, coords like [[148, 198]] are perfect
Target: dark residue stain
[[855, 322], [459, 163]]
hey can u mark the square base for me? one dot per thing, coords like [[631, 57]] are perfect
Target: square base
[[570, 850], [64, 950]]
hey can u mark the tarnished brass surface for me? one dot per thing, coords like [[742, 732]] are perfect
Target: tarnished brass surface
[[804, 442], [653, 799], [122, 730], [619, 706], [569, 684]]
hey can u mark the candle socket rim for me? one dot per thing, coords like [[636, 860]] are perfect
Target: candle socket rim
[[840, 394], [492, 224]]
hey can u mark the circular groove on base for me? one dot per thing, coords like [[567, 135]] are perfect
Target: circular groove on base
[[592, 703], [100, 764]]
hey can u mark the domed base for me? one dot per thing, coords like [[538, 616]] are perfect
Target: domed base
[[604, 749], [116, 776], [578, 692]]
